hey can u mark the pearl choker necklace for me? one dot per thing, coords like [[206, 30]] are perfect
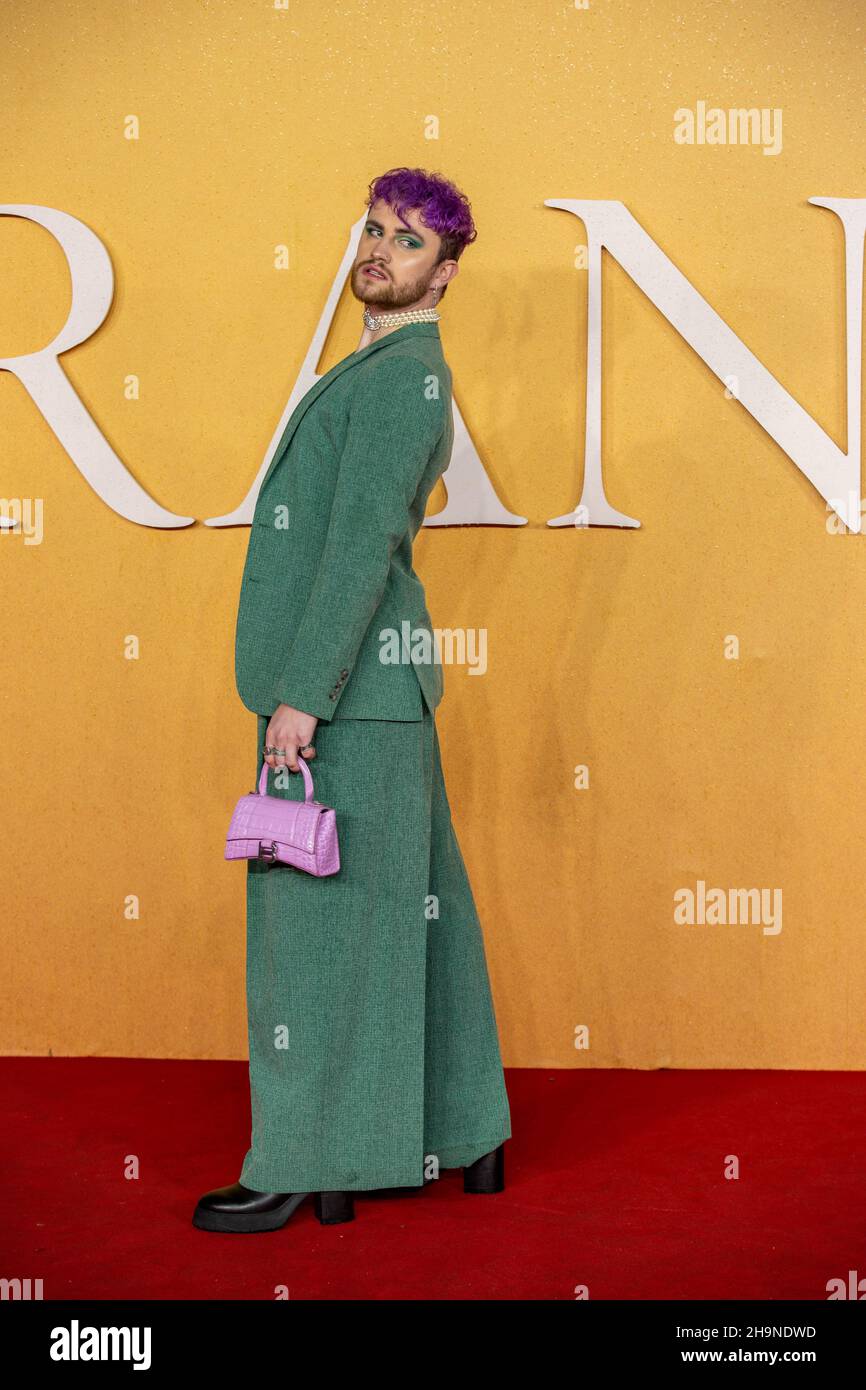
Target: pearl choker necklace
[[374, 321]]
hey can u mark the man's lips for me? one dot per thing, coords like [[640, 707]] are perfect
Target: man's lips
[[375, 272]]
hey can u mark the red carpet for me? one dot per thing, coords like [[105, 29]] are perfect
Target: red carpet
[[614, 1180]]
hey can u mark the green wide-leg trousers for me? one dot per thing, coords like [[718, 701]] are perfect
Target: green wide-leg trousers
[[374, 1053]]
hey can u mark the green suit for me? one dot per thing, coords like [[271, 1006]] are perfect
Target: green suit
[[374, 1053], [329, 562]]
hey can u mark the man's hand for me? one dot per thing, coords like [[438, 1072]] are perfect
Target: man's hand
[[289, 729]]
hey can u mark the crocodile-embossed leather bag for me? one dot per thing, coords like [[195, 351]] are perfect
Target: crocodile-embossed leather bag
[[301, 834]]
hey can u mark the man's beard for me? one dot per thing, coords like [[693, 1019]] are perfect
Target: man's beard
[[385, 295]]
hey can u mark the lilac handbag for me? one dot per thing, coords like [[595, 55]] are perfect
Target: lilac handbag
[[301, 834]]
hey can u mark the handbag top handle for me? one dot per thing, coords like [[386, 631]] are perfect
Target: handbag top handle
[[305, 773]]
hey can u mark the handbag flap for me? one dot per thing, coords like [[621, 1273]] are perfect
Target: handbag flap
[[274, 818]]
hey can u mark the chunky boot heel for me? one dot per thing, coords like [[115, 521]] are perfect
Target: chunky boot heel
[[334, 1207], [486, 1174]]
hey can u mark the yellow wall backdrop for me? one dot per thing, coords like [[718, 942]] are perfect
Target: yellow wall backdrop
[[262, 126]]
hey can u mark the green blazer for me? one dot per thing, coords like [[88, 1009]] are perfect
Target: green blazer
[[332, 617]]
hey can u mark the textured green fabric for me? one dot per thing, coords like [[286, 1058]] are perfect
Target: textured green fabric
[[372, 1033], [328, 568]]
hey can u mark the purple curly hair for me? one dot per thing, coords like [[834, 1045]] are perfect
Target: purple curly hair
[[440, 205]]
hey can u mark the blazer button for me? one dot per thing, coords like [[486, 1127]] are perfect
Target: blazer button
[[332, 696], [344, 672]]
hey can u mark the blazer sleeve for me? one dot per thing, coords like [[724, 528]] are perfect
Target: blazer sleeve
[[395, 422]]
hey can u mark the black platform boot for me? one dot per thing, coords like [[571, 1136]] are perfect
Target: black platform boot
[[486, 1174], [239, 1208]]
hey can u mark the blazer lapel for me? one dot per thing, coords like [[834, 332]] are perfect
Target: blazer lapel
[[423, 329]]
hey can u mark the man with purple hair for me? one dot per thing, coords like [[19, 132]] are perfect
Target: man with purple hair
[[374, 1054]]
